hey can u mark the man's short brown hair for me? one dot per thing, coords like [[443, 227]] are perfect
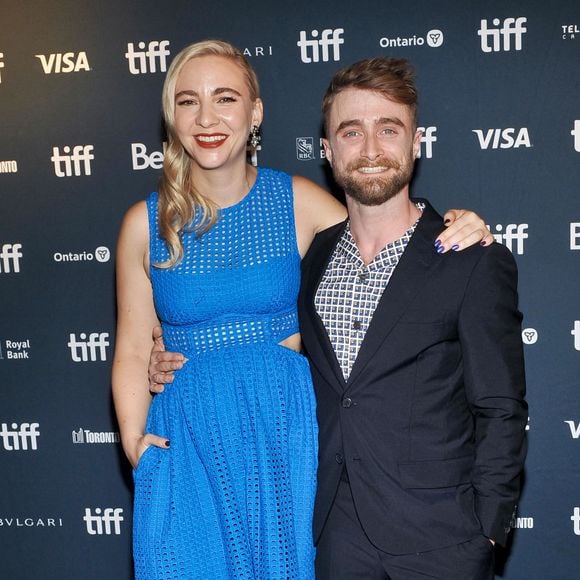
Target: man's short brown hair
[[394, 78]]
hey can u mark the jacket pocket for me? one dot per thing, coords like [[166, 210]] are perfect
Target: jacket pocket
[[435, 474]]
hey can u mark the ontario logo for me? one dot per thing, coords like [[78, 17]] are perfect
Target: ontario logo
[[433, 39]]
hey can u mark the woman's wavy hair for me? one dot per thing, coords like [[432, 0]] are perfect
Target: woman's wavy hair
[[178, 196]]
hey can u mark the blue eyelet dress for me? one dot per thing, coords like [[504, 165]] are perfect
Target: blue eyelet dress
[[233, 496]]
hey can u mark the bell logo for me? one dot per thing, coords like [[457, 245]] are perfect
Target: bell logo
[[143, 160], [10, 255], [145, 60], [92, 349], [501, 36], [18, 437], [104, 522], [66, 62], [503, 138], [576, 134], [67, 164], [513, 233], [428, 137], [310, 50], [575, 235]]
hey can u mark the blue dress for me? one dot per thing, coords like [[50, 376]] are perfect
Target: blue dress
[[233, 496]]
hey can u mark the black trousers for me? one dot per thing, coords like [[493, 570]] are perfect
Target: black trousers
[[345, 553]]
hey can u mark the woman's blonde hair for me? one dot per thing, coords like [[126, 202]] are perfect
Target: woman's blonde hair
[[178, 197]]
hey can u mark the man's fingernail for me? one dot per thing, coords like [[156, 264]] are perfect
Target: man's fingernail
[[440, 249], [437, 243], [167, 442], [455, 247]]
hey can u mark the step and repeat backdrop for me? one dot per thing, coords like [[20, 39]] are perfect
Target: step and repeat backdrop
[[81, 139]]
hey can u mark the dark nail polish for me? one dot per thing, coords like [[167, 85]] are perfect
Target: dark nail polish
[[437, 243], [167, 443], [455, 247], [440, 249], [482, 243], [447, 221]]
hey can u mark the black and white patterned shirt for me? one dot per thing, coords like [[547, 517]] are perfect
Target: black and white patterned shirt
[[350, 290]]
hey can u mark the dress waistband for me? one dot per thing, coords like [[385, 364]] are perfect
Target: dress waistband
[[231, 332]]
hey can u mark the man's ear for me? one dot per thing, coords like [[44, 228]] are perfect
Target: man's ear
[[417, 143], [327, 150]]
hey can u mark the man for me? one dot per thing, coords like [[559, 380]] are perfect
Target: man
[[416, 359]]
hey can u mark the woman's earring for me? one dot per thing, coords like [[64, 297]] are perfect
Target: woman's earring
[[255, 136]]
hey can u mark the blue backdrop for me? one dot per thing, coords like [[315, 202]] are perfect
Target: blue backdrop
[[81, 140]]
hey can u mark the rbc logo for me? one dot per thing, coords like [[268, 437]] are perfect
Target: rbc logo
[[427, 139], [10, 258], [503, 138], [304, 148], [63, 62], [17, 437], [68, 164], [84, 350], [576, 134], [501, 36], [145, 61], [104, 522], [328, 38], [513, 233]]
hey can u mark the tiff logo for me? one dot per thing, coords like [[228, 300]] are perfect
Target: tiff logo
[[1, 65], [10, 258], [576, 519], [575, 332], [84, 350], [513, 233], [428, 137], [574, 429], [328, 38], [66, 62], [501, 36], [68, 164], [104, 522], [576, 134], [17, 438], [145, 61], [503, 138]]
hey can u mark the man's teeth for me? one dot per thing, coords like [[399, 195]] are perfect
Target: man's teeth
[[372, 169]]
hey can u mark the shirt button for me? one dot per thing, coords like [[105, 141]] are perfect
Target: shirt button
[[357, 325], [346, 402], [338, 458]]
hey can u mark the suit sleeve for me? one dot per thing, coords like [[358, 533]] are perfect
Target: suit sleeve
[[490, 334]]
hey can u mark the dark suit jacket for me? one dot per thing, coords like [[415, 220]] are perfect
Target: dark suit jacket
[[431, 424]]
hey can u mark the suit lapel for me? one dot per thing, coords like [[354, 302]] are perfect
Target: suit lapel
[[410, 275], [314, 333]]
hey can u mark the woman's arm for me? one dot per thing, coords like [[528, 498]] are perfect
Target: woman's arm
[[135, 319]]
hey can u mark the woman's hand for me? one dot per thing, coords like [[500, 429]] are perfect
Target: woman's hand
[[464, 228], [139, 445]]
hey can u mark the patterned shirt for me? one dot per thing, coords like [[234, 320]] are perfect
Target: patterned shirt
[[350, 290]]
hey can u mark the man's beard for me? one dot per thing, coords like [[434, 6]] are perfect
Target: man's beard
[[370, 190]]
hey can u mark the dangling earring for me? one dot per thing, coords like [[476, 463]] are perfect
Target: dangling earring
[[255, 137]]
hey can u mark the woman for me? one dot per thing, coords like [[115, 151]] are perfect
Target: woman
[[225, 457]]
